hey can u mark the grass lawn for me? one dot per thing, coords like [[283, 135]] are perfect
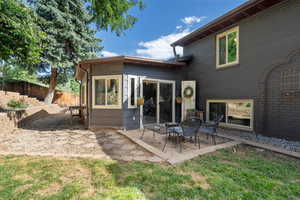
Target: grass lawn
[[237, 173]]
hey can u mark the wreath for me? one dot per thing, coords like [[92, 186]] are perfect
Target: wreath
[[188, 92]]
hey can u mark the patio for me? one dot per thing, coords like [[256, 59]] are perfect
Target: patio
[[53, 135], [155, 142]]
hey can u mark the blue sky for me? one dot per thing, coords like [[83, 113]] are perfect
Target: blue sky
[[161, 23]]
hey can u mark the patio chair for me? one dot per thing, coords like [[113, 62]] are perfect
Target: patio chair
[[161, 129], [210, 128], [189, 129]]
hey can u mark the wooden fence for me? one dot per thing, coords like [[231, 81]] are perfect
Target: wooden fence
[[37, 91]]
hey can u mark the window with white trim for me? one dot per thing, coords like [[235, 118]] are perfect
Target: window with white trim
[[237, 113], [132, 91], [107, 91], [228, 48]]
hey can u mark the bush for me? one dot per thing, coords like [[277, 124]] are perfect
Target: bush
[[17, 104]]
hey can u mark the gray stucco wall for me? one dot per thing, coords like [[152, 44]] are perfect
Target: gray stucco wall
[[104, 117], [266, 38], [152, 72]]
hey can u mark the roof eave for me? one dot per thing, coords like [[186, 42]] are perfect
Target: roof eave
[[226, 20], [132, 60]]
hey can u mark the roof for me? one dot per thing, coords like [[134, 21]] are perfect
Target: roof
[[83, 65], [250, 8], [134, 60]]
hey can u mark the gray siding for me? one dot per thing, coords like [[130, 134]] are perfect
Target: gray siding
[[266, 38], [105, 117], [131, 115]]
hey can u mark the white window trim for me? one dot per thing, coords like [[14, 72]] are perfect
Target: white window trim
[[226, 124], [119, 78], [226, 33], [135, 91]]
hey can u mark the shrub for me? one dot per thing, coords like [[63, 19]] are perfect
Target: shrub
[[17, 104]]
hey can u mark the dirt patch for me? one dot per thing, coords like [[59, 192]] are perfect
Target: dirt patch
[[50, 189], [295, 181], [201, 180], [23, 177], [79, 172], [198, 179], [76, 172], [240, 152], [230, 163], [23, 188]]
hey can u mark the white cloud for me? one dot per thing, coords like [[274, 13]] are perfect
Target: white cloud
[[108, 54], [160, 48], [192, 20], [179, 27]]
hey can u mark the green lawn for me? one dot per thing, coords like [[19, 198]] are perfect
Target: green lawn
[[239, 173]]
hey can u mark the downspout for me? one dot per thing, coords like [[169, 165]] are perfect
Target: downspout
[[174, 52], [87, 96], [80, 83]]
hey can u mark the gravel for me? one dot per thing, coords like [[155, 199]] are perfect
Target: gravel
[[277, 142]]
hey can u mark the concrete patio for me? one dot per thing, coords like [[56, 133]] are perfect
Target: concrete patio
[[155, 143]]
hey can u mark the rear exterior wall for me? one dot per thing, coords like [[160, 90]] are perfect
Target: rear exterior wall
[[265, 39], [99, 118]]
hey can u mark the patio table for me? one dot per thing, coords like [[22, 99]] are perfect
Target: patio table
[[162, 129], [155, 128]]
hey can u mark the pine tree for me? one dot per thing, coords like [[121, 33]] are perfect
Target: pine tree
[[113, 14], [69, 36], [19, 35]]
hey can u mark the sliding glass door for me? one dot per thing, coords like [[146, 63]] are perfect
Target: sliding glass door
[[150, 105], [165, 102], [159, 106]]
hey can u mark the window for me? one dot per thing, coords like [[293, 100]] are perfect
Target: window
[[228, 48], [237, 113], [83, 93], [107, 91], [132, 91]]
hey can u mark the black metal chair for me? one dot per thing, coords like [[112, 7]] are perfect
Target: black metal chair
[[161, 129], [210, 128], [189, 129]]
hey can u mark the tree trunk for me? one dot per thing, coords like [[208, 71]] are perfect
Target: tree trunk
[[52, 86]]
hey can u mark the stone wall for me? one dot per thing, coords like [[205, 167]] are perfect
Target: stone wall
[[10, 121], [6, 97]]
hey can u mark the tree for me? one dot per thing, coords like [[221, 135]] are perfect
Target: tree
[[20, 39], [113, 14], [69, 37]]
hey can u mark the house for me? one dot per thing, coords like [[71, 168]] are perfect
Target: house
[[246, 66]]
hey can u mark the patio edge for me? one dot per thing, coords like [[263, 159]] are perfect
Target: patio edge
[[202, 152], [146, 146], [179, 158]]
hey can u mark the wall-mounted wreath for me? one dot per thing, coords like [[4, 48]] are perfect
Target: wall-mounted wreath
[[188, 92]]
